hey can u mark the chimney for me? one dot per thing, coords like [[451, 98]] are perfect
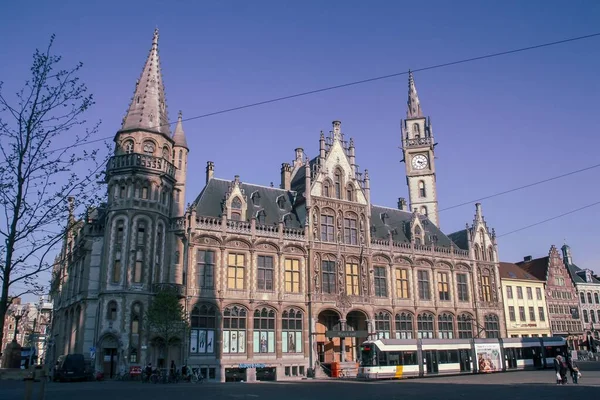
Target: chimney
[[527, 258], [210, 171], [286, 176], [402, 204], [299, 157]]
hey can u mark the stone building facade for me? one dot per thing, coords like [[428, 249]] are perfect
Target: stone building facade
[[525, 306], [588, 292], [268, 275], [561, 296]]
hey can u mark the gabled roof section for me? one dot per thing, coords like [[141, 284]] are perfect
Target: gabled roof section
[[276, 203], [398, 223], [513, 271], [148, 108], [578, 275], [537, 267]]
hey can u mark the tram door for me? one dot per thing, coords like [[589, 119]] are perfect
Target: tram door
[[431, 361], [537, 357], [511, 358], [465, 360]]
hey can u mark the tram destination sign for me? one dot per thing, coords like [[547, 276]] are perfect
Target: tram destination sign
[[345, 334]]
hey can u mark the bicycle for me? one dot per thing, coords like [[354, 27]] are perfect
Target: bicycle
[[196, 376]]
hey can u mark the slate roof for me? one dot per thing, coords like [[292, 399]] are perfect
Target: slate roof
[[211, 200], [578, 274], [513, 271], [460, 238], [537, 267]]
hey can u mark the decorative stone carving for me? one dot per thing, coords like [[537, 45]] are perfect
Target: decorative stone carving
[[343, 303], [317, 270], [341, 286]]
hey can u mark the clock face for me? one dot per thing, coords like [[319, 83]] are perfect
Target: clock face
[[420, 161]]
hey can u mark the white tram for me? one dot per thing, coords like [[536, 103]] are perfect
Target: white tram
[[404, 358]]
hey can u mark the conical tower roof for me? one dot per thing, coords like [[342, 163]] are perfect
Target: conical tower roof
[[414, 106], [148, 108], [179, 135]]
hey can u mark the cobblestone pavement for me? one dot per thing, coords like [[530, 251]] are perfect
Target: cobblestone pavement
[[501, 386]]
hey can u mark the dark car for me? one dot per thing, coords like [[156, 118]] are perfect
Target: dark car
[[70, 367]]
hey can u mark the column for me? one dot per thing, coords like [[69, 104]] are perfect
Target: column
[[342, 342]]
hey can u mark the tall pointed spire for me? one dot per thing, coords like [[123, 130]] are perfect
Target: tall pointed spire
[[148, 108], [179, 135], [414, 106]]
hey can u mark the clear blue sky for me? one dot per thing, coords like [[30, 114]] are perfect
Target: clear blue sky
[[500, 123]]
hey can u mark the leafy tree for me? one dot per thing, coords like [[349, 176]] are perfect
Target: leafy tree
[[166, 319], [42, 165]]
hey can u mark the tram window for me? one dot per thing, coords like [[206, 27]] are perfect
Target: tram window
[[381, 359], [528, 353], [395, 358], [448, 356], [368, 357], [442, 356], [453, 356], [409, 357]]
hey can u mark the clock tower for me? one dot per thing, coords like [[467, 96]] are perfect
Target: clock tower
[[418, 150]]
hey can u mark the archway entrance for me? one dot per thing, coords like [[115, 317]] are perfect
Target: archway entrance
[[110, 355], [328, 350], [355, 321]]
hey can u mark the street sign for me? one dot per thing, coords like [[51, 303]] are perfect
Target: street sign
[[345, 334]]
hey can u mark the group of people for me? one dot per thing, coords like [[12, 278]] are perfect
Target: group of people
[[562, 365]]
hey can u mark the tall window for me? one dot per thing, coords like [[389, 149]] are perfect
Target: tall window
[[116, 272], [140, 253], [135, 332], [465, 326], [337, 182], [425, 326], [582, 297], [236, 271], [423, 284], [234, 330], [402, 283], [328, 276], [541, 313], [291, 331], [206, 269], [589, 297], [529, 293], [486, 288], [380, 282], [531, 314], [462, 287], [111, 311], [522, 314], [350, 231], [292, 275], [180, 159], [236, 207], [511, 313], [585, 316], [203, 325], [327, 189], [422, 190], [404, 326], [327, 229], [264, 280], [519, 292], [443, 288], [383, 325], [596, 298], [352, 288], [350, 193], [509, 292], [445, 326], [159, 249], [492, 326], [538, 293], [264, 331]]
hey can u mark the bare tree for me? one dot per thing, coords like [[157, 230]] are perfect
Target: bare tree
[[42, 165], [166, 320]]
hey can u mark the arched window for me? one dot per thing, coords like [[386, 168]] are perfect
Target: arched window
[[203, 324], [592, 316], [327, 228], [128, 146], [445, 326], [291, 331], [589, 297], [264, 330], [159, 253], [179, 162], [261, 217], [582, 297], [424, 211], [465, 326], [422, 190], [586, 319], [255, 198], [140, 252], [383, 325], [596, 300], [349, 193], [166, 153], [337, 182], [236, 206], [404, 325], [135, 331], [416, 131], [477, 252], [425, 326], [490, 253], [492, 326], [234, 329], [111, 310], [327, 189], [117, 261], [148, 147]]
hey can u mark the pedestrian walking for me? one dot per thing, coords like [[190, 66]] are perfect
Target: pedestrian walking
[[560, 367]]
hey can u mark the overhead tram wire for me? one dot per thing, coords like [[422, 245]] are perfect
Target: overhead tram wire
[[521, 187], [359, 82], [549, 219]]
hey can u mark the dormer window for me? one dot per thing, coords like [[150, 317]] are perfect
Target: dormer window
[[287, 220], [255, 198], [281, 202], [424, 211], [384, 218], [338, 184], [236, 204], [261, 217]]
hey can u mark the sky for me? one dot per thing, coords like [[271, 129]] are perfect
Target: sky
[[500, 123]]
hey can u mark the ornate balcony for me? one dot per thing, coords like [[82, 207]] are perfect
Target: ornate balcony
[[176, 287], [140, 161], [426, 141]]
